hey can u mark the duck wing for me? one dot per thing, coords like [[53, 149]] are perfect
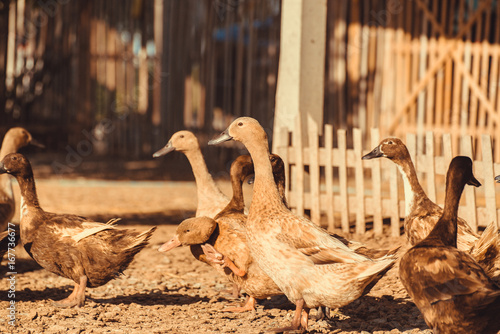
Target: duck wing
[[444, 273], [315, 243]]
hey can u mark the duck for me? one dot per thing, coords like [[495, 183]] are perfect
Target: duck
[[221, 241], [421, 214], [311, 267], [87, 252], [211, 200], [450, 288], [15, 139]]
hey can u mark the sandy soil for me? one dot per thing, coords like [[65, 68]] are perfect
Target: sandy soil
[[172, 292]]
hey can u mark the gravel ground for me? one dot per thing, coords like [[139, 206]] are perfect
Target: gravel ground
[[172, 292]]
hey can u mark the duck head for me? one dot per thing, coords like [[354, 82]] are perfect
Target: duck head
[[20, 137], [180, 141], [461, 169], [15, 164], [241, 129], [192, 231], [391, 148]]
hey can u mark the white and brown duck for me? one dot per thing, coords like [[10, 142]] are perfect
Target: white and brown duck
[[15, 139], [311, 267], [211, 200], [221, 241], [421, 214], [87, 252], [450, 288]]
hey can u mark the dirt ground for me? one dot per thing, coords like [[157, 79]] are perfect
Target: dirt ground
[[171, 292]]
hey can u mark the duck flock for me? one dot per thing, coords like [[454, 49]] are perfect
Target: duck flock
[[267, 250]]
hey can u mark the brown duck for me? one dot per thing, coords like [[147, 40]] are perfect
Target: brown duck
[[421, 214], [221, 242], [87, 252], [450, 288]]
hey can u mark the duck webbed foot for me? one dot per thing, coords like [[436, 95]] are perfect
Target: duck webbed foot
[[249, 306], [300, 319], [215, 257], [76, 298], [323, 313]]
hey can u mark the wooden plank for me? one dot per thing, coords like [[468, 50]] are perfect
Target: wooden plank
[[344, 201], [489, 183], [376, 187], [430, 166], [455, 107], [470, 212], [493, 86], [283, 153], [359, 175], [314, 170], [299, 168], [330, 204]]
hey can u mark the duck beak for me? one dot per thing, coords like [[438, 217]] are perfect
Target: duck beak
[[474, 182], [497, 178], [251, 179], [169, 245], [224, 136], [376, 153], [36, 143], [2, 168], [165, 150]]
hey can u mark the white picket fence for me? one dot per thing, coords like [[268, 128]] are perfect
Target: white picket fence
[[339, 189]]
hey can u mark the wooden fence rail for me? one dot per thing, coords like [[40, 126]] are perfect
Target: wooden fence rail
[[336, 188]]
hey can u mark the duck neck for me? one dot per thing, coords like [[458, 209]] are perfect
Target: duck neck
[[237, 202], [204, 182], [28, 191], [412, 188], [8, 147], [265, 190], [446, 228]]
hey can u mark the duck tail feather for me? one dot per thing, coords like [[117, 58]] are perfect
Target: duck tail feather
[[382, 264], [487, 248]]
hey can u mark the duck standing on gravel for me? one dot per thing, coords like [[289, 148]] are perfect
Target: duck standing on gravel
[[221, 242], [87, 252], [453, 292], [311, 267]]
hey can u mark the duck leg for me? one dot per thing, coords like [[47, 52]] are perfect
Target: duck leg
[[215, 257], [77, 297], [299, 321], [249, 306]]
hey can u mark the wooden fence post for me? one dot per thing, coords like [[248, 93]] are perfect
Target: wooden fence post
[[330, 208], [376, 187], [360, 188], [344, 199]]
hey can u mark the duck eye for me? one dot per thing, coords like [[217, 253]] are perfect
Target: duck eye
[[390, 142], [14, 158], [187, 231], [182, 136], [240, 124]]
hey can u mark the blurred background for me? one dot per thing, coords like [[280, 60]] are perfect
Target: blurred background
[[130, 73]]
